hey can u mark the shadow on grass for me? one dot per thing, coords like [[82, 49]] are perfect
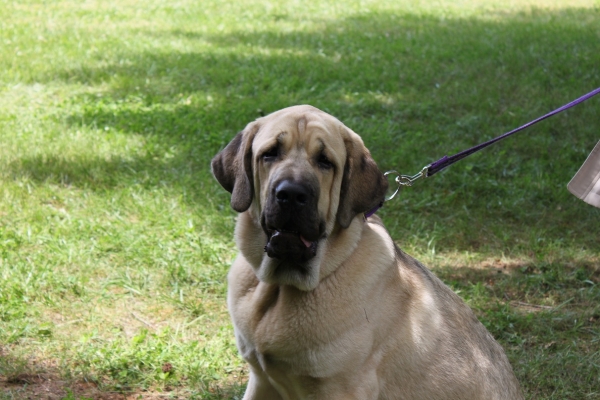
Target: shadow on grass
[[414, 87], [546, 317]]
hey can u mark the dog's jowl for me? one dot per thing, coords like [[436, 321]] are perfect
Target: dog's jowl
[[324, 305]]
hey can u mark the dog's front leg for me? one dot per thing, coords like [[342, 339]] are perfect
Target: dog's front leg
[[259, 387]]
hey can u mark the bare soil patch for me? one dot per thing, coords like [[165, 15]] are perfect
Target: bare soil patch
[[50, 387]]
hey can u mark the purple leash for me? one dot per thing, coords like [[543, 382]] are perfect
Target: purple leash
[[437, 166]]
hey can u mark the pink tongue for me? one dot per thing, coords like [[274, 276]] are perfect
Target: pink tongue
[[306, 242]]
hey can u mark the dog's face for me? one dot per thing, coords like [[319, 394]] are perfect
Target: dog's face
[[301, 174]]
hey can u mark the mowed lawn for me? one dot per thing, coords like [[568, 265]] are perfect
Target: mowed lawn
[[115, 240]]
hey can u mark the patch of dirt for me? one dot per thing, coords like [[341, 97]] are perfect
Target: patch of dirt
[[47, 387]]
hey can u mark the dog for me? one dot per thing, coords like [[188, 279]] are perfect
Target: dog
[[324, 304]]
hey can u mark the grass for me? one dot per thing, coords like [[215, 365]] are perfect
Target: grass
[[115, 240]]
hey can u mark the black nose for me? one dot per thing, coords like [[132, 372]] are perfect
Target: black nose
[[291, 194]]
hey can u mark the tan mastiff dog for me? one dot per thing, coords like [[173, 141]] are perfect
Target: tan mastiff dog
[[324, 305]]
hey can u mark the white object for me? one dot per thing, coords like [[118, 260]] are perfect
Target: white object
[[586, 182]]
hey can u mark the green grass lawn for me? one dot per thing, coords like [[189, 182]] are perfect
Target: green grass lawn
[[115, 239]]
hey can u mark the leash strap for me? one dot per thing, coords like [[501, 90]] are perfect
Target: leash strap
[[446, 161], [437, 166]]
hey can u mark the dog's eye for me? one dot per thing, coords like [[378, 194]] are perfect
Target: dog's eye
[[271, 154], [324, 162]]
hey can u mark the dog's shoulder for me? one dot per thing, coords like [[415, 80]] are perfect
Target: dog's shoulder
[[446, 330]]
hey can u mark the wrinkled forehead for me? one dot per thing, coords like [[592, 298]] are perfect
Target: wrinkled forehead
[[305, 127]]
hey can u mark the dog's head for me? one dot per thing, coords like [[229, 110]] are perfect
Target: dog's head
[[301, 173]]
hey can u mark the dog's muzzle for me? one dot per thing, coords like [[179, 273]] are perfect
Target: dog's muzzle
[[291, 222], [290, 245]]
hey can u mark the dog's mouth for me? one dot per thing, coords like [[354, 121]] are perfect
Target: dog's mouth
[[290, 245]]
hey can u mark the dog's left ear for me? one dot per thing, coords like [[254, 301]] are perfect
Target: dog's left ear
[[363, 184], [233, 168]]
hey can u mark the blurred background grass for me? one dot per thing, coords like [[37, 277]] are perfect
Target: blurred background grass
[[115, 239]]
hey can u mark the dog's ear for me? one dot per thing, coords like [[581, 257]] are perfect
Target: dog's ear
[[233, 168], [363, 184]]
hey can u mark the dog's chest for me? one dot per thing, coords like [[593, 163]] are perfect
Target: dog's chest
[[297, 337]]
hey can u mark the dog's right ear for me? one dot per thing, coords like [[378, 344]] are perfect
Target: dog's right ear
[[233, 168]]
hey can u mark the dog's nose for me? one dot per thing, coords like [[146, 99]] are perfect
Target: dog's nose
[[291, 194]]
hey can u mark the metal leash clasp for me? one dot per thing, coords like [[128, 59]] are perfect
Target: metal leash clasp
[[405, 180]]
